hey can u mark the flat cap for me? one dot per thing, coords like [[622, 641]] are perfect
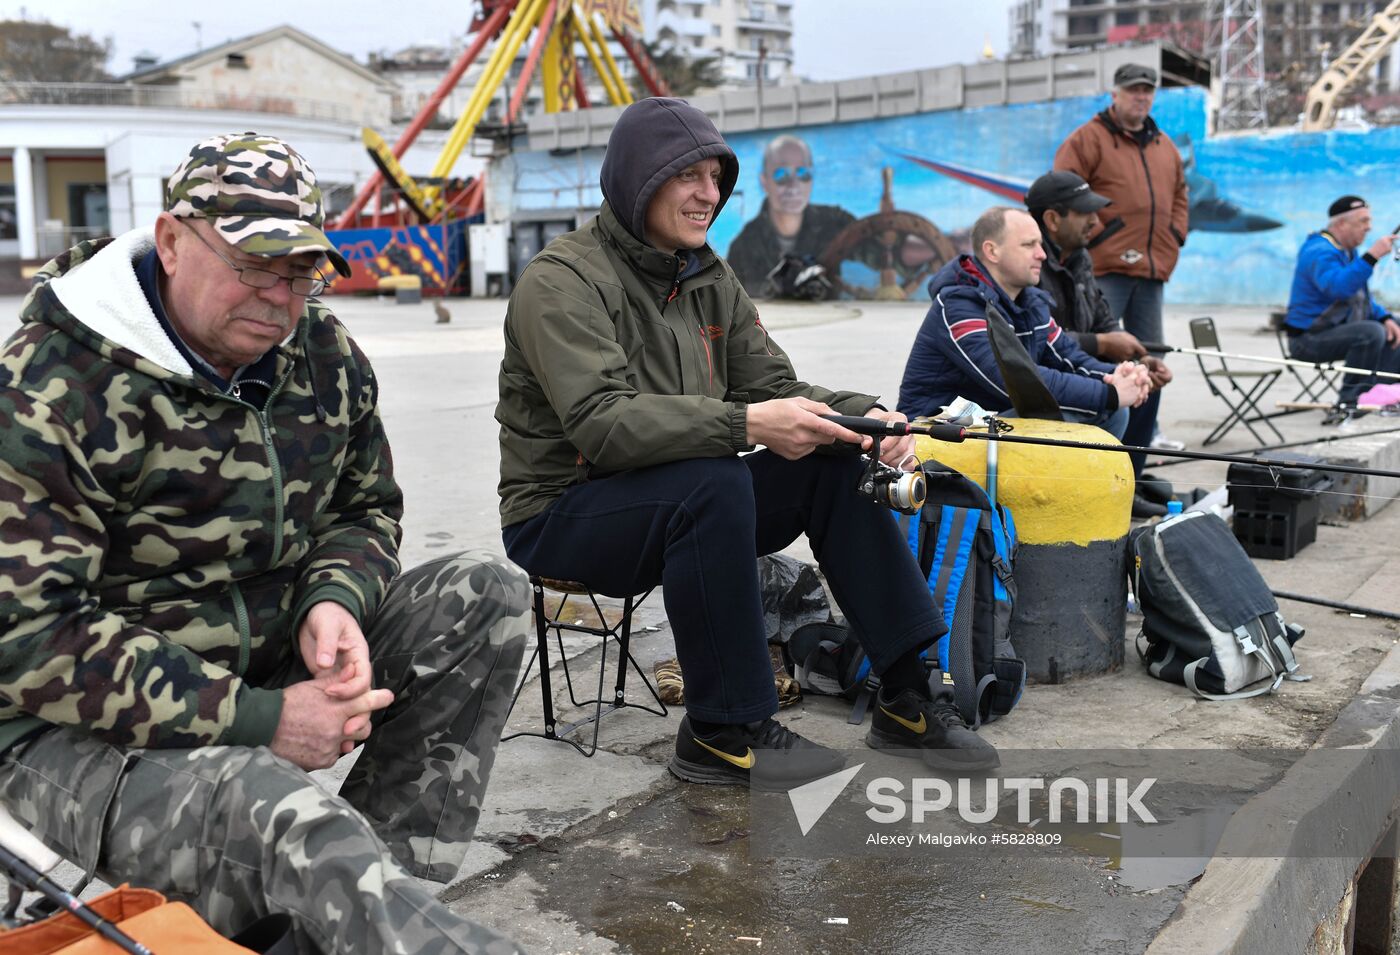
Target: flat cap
[[1134, 74]]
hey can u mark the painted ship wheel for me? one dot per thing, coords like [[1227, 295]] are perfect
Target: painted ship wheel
[[904, 247]]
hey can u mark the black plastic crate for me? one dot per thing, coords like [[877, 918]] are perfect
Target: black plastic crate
[[1280, 534], [1276, 509]]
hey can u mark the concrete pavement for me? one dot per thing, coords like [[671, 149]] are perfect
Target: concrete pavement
[[622, 845], [611, 854]]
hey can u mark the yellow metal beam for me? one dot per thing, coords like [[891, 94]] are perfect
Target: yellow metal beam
[[389, 166], [524, 20], [625, 95], [585, 37], [560, 66]]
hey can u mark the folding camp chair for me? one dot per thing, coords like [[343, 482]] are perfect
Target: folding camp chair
[[620, 632], [1245, 410], [1316, 384]]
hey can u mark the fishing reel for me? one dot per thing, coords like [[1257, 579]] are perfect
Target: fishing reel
[[897, 489]]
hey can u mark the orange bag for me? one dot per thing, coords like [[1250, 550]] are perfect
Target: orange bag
[[162, 926]]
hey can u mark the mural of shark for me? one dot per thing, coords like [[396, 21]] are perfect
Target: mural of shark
[[1210, 211]]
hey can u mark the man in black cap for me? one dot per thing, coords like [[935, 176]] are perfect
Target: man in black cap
[[1067, 211], [1331, 314]]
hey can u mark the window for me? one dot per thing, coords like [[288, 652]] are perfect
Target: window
[[87, 206], [237, 61], [1125, 18], [9, 220]]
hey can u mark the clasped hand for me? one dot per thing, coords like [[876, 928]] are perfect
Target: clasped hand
[[327, 716]]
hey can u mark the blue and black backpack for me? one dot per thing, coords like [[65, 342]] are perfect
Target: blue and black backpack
[[965, 544], [966, 547]]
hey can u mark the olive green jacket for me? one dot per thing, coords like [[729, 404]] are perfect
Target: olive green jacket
[[611, 364]]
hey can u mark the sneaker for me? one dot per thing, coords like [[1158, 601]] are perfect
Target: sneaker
[[765, 755], [1163, 443], [910, 724], [1143, 508]]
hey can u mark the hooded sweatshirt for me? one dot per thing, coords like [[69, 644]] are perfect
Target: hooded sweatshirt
[[160, 538], [953, 357], [619, 355]]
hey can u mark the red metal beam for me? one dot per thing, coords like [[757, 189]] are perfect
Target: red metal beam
[[489, 31], [580, 92], [650, 75], [528, 71]]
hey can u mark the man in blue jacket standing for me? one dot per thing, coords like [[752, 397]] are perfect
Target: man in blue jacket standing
[[952, 355], [1331, 314]]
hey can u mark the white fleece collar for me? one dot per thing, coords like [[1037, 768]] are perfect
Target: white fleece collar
[[104, 294]]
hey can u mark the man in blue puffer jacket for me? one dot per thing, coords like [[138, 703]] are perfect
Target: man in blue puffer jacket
[[1331, 314], [952, 355]]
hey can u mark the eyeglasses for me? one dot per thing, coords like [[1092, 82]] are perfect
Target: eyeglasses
[[302, 285], [785, 174]]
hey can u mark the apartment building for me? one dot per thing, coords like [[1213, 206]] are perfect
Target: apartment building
[[1300, 36], [751, 38]]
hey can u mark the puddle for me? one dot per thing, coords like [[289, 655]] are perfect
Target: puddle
[[675, 876]]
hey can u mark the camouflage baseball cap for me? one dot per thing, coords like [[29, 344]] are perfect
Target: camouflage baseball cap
[[259, 194]]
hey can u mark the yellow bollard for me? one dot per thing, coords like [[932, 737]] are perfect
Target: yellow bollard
[[1072, 510]]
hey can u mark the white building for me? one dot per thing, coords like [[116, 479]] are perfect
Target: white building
[[742, 33], [82, 160]]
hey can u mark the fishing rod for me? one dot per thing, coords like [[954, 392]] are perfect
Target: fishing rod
[[1330, 439], [1158, 348], [1336, 605], [953, 433]]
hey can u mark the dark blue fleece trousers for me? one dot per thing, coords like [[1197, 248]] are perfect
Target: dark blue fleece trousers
[[697, 527]]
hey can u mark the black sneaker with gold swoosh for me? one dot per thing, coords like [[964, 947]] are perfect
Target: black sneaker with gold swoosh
[[909, 723], [765, 755]]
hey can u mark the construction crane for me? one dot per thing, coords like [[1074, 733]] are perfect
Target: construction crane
[[1320, 111], [561, 29]]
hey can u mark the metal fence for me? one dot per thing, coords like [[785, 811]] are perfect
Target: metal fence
[[175, 97]]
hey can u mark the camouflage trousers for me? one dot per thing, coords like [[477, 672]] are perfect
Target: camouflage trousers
[[238, 832]]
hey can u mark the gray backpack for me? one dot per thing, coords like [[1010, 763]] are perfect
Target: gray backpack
[[1209, 620]]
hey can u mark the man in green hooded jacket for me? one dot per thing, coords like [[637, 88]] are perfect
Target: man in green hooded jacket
[[636, 376]]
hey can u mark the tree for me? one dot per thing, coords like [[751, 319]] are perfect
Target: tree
[[683, 74], [42, 52]]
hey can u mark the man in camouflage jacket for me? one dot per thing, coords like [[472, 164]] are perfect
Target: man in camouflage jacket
[[199, 589]]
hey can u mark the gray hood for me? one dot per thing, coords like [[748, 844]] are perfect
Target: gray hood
[[653, 140]]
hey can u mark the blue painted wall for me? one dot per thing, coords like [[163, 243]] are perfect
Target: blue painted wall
[[1291, 177]]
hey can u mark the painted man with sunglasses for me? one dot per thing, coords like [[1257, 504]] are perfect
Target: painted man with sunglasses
[[788, 223], [200, 597]]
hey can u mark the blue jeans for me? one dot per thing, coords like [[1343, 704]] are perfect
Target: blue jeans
[[697, 527], [1138, 302], [1114, 422], [1357, 344], [1142, 425]]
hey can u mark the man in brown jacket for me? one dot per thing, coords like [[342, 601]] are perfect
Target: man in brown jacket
[[1124, 156]]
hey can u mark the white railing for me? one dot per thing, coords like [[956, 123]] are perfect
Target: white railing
[[53, 240], [175, 97]]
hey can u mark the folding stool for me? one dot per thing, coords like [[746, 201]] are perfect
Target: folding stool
[[621, 632]]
